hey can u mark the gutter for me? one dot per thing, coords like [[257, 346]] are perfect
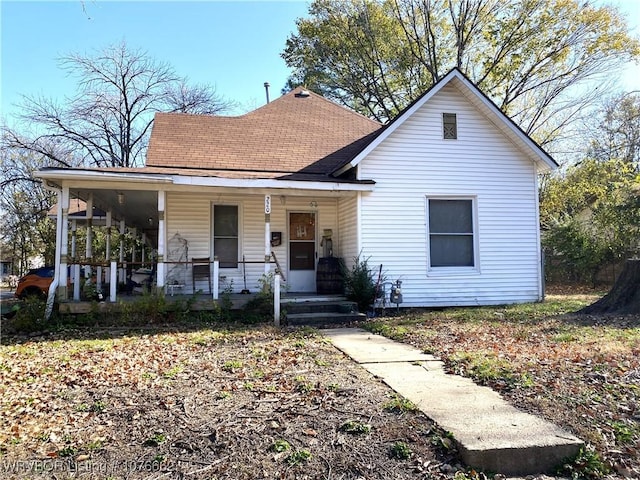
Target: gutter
[[271, 184], [198, 181], [96, 175]]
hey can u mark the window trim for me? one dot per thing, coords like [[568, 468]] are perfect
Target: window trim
[[454, 270], [455, 125], [238, 205]]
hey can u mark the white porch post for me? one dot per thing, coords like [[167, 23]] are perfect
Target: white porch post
[[74, 240], [99, 277], [113, 281], [267, 234], [64, 242], [74, 250], [276, 299], [123, 271], [76, 283], [143, 242], [162, 241], [107, 272], [216, 284], [89, 245], [134, 236]]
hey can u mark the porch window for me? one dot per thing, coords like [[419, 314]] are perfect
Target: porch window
[[225, 235], [451, 233]]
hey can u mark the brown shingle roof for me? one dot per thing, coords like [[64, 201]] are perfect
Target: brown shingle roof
[[294, 133]]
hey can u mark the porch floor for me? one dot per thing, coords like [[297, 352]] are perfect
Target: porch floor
[[201, 301]]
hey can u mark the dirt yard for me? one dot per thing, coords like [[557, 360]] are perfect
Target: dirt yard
[[205, 401], [208, 403]]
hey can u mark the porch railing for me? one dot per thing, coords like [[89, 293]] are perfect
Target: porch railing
[[117, 273]]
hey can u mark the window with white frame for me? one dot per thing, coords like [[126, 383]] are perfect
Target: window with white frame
[[449, 126], [451, 232], [225, 235]]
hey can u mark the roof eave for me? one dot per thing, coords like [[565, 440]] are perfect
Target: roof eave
[[61, 175]]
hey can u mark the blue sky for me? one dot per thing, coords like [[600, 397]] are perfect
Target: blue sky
[[234, 46]]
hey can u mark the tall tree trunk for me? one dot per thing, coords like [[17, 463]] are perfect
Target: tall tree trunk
[[624, 297]]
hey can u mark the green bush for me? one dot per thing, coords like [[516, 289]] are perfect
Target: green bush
[[27, 316], [360, 283], [260, 307], [575, 253]]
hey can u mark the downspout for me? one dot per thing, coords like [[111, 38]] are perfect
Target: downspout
[[51, 294]]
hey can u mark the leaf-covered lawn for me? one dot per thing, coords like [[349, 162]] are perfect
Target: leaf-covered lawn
[[581, 372], [203, 403]]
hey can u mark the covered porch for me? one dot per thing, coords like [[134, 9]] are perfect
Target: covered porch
[[201, 241]]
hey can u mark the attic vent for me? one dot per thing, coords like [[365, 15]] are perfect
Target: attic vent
[[303, 93], [450, 126]]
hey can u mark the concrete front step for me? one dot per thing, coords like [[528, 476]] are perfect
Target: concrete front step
[[492, 435], [319, 319], [324, 306]]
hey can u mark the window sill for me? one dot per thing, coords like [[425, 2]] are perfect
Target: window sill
[[452, 271]]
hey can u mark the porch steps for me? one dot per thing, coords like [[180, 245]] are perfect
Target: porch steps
[[318, 313]]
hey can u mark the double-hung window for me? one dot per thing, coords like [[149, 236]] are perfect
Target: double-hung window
[[451, 233], [225, 235]]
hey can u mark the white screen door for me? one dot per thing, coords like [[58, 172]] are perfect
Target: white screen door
[[302, 252]]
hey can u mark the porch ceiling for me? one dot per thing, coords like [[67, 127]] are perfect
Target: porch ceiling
[[139, 209]]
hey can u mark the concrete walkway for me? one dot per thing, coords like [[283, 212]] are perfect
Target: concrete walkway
[[491, 434]]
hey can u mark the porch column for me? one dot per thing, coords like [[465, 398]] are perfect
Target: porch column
[[143, 242], [216, 284], [74, 239], [123, 270], [162, 241], [64, 243], [76, 283], [74, 249], [113, 281], [134, 234], [276, 300], [267, 234], [89, 246], [107, 253]]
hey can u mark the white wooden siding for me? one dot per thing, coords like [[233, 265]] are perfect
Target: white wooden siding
[[348, 228], [189, 214], [414, 163]]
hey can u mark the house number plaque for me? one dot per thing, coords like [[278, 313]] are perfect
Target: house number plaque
[[267, 204]]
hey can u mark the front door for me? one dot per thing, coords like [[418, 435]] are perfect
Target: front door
[[302, 252]]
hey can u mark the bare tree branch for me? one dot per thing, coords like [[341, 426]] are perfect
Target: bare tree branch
[[107, 123]]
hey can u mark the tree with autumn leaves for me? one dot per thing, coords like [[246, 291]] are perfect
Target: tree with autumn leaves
[[541, 61], [545, 63]]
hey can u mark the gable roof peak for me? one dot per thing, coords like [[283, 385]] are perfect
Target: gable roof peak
[[474, 96]]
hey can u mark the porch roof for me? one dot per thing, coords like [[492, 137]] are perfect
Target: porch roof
[[138, 186]]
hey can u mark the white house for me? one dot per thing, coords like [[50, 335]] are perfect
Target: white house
[[444, 197]]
